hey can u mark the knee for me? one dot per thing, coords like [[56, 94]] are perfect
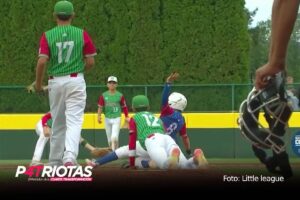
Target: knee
[[114, 139]]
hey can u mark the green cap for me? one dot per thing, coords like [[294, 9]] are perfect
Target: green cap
[[63, 8], [140, 101]]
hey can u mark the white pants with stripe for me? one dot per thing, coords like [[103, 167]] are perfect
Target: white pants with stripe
[[141, 153], [159, 148], [67, 96], [41, 142]]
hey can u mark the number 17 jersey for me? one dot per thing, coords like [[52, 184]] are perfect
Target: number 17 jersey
[[66, 46]]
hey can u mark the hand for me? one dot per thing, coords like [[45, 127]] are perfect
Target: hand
[[46, 131], [173, 76], [99, 119], [126, 122], [127, 119], [263, 73], [33, 88]]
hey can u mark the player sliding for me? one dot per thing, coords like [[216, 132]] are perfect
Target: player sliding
[[174, 122]]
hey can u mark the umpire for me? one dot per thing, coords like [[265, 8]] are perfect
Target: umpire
[[69, 51]]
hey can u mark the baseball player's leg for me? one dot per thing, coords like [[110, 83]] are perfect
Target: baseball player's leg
[[116, 123], [108, 130], [173, 152], [122, 152], [39, 148], [156, 150], [75, 105], [86, 145], [57, 109], [39, 128]]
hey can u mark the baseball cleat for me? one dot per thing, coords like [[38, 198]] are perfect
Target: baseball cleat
[[90, 162], [174, 158], [199, 158], [69, 164], [36, 163]]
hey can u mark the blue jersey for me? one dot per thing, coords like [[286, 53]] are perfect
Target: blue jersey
[[173, 120]]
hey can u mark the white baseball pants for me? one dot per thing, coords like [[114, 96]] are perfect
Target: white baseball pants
[[41, 142], [67, 96], [112, 129]]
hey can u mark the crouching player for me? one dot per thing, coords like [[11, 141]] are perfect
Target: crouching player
[[43, 130]]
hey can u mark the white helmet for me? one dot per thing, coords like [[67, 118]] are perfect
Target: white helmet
[[177, 101]]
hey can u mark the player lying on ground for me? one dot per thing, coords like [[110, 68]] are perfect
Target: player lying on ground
[[174, 122], [144, 157], [43, 130]]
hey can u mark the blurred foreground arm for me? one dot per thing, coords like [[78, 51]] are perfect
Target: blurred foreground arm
[[284, 14]]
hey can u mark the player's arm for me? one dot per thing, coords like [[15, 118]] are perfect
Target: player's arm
[[89, 51], [124, 108], [100, 108], [185, 139], [284, 14], [132, 142], [41, 63], [167, 88], [165, 95]]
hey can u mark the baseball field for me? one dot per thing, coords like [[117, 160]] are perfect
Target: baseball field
[[231, 161]]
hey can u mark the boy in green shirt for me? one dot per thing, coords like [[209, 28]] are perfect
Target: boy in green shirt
[[110, 104]]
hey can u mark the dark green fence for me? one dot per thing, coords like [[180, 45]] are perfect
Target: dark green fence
[[201, 98]]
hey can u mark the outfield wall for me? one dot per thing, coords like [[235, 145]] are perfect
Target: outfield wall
[[216, 133]]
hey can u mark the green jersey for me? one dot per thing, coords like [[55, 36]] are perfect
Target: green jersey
[[111, 104], [147, 124], [66, 50]]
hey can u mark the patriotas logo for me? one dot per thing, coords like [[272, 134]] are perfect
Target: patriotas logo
[[32, 170], [56, 172]]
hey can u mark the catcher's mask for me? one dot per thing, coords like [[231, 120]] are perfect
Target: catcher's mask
[[272, 101]]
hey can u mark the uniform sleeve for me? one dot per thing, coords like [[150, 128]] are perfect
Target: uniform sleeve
[[165, 94], [124, 106], [132, 142], [44, 47], [182, 131], [166, 110], [45, 118], [101, 101], [89, 49]]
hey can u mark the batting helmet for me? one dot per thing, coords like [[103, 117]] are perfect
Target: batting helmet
[[272, 101], [177, 101]]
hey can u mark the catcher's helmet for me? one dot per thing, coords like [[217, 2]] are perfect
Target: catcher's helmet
[[177, 101], [273, 102]]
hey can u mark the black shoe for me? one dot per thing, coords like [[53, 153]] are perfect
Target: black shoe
[[260, 154]]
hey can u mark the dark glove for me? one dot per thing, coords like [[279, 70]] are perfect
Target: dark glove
[[188, 152]]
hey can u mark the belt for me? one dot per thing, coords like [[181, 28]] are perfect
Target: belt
[[150, 136], [71, 75]]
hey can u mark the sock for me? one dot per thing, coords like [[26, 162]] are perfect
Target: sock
[[145, 163], [107, 158]]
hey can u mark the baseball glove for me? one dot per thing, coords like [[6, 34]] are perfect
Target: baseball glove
[[31, 88], [100, 152]]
